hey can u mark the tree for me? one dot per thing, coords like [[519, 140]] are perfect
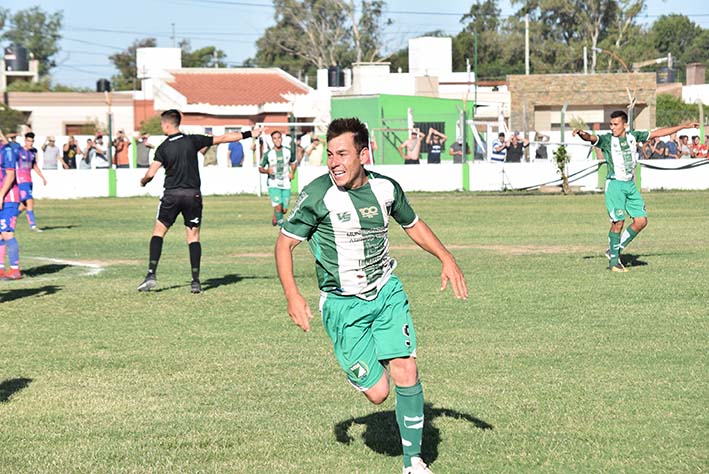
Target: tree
[[315, 34], [11, 119], [209, 56], [36, 30], [671, 110], [151, 126], [125, 62]]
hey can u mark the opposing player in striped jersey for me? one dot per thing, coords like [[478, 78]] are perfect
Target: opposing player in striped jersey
[[622, 196], [26, 163], [344, 216]]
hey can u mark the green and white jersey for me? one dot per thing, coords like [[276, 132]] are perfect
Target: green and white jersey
[[347, 231], [621, 153], [281, 161]]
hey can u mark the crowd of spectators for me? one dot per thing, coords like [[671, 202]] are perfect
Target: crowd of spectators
[[675, 148]]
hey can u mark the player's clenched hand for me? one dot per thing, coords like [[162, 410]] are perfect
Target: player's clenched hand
[[299, 311], [257, 131], [452, 273]]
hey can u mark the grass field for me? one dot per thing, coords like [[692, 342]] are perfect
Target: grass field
[[554, 365]]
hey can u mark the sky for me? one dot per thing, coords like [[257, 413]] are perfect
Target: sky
[[93, 31]]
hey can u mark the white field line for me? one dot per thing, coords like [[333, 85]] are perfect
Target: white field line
[[92, 269]]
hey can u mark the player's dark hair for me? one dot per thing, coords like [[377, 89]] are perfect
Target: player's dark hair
[[360, 134], [29, 135], [621, 114], [276, 132], [172, 116]]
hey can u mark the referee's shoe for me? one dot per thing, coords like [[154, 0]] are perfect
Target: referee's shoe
[[149, 283], [196, 286]]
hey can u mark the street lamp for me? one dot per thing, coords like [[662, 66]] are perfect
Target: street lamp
[[631, 97]]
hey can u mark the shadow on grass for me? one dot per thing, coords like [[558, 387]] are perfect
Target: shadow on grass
[[44, 269], [10, 387], [57, 227], [630, 260], [381, 433], [212, 283], [12, 295]]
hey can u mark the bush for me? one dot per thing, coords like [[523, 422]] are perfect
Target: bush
[[151, 126], [672, 111]]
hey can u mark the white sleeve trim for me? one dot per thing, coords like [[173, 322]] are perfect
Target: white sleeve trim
[[292, 236], [412, 224]]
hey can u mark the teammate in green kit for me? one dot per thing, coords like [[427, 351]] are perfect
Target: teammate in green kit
[[622, 196], [344, 216], [278, 164]]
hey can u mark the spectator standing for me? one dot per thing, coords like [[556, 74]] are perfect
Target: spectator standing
[[657, 149], [142, 148], [51, 153], [541, 153], [120, 144], [515, 148], [88, 156], [685, 151], [235, 155], [672, 147], [69, 152], [456, 151], [26, 163], [499, 148], [695, 146], [435, 140], [703, 149], [413, 148], [99, 159]]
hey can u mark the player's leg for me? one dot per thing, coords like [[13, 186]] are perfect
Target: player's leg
[[8, 219], [615, 206], [275, 195], [167, 213], [285, 204], [192, 214], [636, 210], [28, 201]]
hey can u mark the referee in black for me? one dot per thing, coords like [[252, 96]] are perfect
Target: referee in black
[[178, 155]]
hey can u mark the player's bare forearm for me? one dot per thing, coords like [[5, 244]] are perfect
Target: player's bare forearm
[[664, 131], [298, 308], [150, 173], [424, 237], [38, 170], [584, 135]]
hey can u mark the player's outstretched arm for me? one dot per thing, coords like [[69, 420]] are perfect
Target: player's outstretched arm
[[451, 273], [236, 136], [584, 135], [664, 131], [298, 308]]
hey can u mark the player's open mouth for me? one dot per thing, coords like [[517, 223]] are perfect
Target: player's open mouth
[[337, 173]]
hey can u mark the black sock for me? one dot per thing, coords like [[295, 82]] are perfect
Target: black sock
[[195, 257], [155, 251]]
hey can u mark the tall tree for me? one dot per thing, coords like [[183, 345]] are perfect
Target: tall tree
[[125, 62], [209, 56], [36, 30]]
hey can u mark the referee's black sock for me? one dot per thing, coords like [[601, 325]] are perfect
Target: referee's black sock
[[155, 252], [195, 257]]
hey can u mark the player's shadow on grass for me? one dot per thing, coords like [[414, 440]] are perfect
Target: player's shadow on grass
[[212, 283], [10, 387], [57, 227], [381, 433], [16, 294], [627, 259], [44, 269]]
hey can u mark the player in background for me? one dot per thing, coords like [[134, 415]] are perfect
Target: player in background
[[27, 162], [9, 204], [344, 216], [278, 164], [620, 151], [182, 195]]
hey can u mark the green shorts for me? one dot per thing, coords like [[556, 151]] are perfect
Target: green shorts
[[365, 333], [623, 197], [279, 196]]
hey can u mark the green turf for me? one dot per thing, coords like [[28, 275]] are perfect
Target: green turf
[[554, 365]]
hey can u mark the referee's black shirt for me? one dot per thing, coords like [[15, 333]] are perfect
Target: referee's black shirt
[[178, 155]]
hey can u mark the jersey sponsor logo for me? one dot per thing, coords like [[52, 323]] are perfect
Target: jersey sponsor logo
[[369, 212], [344, 216], [359, 370]]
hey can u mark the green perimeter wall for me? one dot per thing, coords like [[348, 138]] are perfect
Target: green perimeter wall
[[379, 111]]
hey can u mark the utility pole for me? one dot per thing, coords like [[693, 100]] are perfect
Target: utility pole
[[526, 44], [173, 35]]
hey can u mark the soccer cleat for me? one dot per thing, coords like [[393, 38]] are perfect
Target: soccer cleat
[[196, 286], [417, 467], [34, 228], [12, 274], [618, 268], [149, 283]]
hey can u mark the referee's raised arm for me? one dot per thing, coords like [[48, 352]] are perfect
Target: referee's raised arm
[[237, 136]]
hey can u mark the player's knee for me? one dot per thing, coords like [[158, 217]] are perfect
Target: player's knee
[[376, 396]]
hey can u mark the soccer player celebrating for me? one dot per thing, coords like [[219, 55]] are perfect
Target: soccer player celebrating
[[344, 215], [27, 161], [178, 155], [622, 196], [9, 204], [280, 169]]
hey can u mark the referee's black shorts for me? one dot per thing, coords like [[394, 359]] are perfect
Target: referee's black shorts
[[187, 202]]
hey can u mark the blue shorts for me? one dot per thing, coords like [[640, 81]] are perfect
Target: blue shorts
[[8, 216], [25, 191]]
